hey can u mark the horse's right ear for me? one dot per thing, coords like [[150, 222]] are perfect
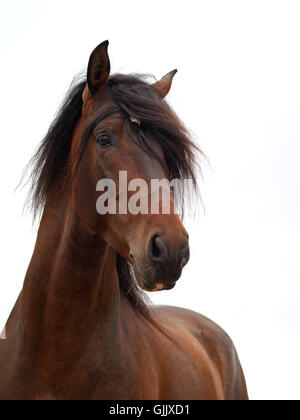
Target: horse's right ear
[[98, 69]]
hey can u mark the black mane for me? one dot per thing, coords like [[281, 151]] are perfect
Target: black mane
[[137, 99]]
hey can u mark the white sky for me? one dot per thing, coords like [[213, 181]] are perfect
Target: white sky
[[238, 89]]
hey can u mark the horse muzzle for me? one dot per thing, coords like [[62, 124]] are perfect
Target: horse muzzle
[[161, 265]]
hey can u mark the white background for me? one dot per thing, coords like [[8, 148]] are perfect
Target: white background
[[238, 90]]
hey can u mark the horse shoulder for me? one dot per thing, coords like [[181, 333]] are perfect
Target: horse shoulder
[[215, 342]]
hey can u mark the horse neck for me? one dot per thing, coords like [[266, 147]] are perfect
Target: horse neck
[[71, 284]]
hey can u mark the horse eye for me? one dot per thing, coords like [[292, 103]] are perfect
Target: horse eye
[[104, 140]]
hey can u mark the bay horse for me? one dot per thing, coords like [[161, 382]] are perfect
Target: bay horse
[[81, 328]]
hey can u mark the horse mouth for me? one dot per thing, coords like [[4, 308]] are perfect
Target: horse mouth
[[151, 283], [156, 287]]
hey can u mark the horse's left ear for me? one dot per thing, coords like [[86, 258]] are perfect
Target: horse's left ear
[[98, 68], [163, 85]]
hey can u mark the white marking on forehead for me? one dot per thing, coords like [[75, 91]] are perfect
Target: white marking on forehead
[[135, 120]]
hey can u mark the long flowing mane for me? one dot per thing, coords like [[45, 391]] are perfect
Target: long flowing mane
[[137, 99]]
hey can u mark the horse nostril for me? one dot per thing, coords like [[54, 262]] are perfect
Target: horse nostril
[[157, 249], [185, 254]]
